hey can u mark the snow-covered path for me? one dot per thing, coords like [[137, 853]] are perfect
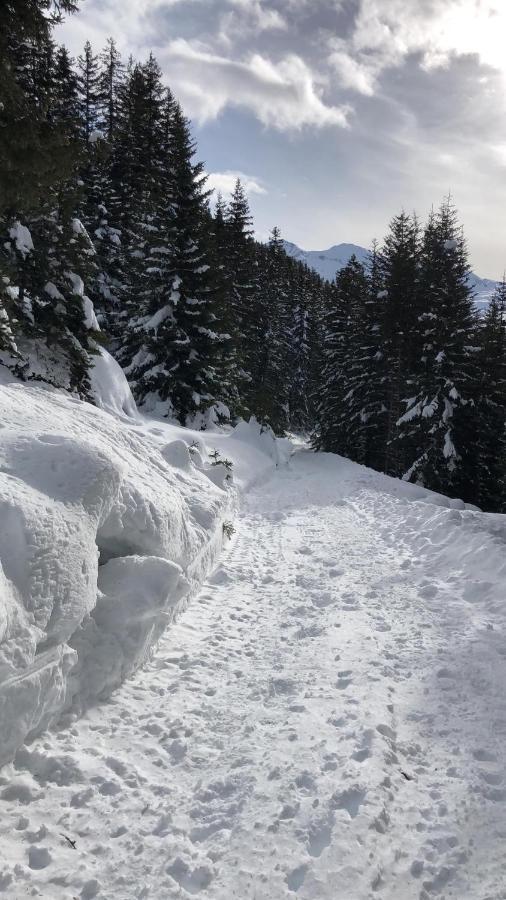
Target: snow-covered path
[[327, 720]]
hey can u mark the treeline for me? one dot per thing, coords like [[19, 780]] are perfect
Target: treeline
[[109, 236], [107, 223], [413, 380]]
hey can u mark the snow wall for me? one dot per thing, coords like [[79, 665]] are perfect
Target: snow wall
[[105, 534]]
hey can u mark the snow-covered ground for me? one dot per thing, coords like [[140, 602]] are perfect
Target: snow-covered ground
[[326, 719]]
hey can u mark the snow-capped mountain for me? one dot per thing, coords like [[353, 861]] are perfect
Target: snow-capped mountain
[[328, 262]]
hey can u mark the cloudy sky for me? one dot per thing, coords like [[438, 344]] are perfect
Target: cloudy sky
[[336, 113]]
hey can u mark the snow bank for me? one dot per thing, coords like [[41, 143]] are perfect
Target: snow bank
[[108, 525], [252, 448], [101, 541]]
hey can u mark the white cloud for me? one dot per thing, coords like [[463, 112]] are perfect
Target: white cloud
[[248, 17], [387, 31], [224, 182], [351, 72], [283, 95]]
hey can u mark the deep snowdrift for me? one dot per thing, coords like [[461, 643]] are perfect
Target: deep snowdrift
[[108, 524]]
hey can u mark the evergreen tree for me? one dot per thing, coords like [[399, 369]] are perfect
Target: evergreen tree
[[339, 414], [439, 410], [398, 273], [221, 285], [90, 97], [64, 106], [173, 362], [33, 150], [489, 446], [109, 81], [244, 301], [303, 292], [268, 335], [8, 346]]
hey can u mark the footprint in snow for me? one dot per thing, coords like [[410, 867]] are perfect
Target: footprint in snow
[[322, 600], [319, 836], [295, 879], [343, 679], [191, 880], [350, 800]]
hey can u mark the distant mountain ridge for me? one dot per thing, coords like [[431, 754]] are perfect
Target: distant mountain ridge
[[328, 262]]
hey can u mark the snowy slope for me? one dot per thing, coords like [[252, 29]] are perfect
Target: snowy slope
[[328, 262], [108, 525], [325, 721]]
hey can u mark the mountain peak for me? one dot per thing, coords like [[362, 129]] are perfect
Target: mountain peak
[[328, 262]]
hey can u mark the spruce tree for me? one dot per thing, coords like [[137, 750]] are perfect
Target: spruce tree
[[89, 91], [489, 445], [399, 274], [268, 334], [242, 262], [221, 282], [439, 409], [301, 291], [339, 410], [65, 107], [171, 347], [109, 81], [32, 150]]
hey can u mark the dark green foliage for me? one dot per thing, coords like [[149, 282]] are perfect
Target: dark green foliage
[[489, 444], [340, 417], [45, 252], [413, 383], [440, 406], [34, 150]]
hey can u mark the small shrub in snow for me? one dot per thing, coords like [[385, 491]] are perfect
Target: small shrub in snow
[[228, 529], [217, 461], [227, 463]]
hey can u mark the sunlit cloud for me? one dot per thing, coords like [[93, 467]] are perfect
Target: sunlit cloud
[[283, 95], [224, 183]]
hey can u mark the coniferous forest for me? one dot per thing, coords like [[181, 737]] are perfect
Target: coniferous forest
[[110, 237]]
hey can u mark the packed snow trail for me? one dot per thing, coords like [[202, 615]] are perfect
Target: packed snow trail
[[326, 721]]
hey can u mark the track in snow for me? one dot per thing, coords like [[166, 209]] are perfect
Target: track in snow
[[326, 721]]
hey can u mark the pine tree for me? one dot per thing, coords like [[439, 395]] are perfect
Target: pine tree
[[221, 286], [43, 258], [65, 108], [339, 410], [34, 153], [109, 81], [439, 410], [303, 293], [368, 372], [399, 274], [139, 206], [268, 335], [489, 446], [245, 294], [90, 97], [171, 347]]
